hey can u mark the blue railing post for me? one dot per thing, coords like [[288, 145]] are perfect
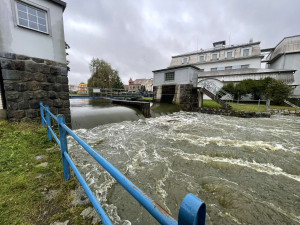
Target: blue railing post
[[48, 120], [42, 114], [192, 211], [63, 146]]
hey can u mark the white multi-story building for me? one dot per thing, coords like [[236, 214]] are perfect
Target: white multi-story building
[[220, 64]]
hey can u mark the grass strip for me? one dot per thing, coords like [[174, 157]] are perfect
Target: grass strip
[[24, 185]]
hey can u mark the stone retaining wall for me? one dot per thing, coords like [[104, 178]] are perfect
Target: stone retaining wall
[[225, 112], [28, 80], [285, 112]]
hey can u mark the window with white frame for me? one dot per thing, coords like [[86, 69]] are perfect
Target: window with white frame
[[228, 68], [201, 58], [246, 51], [229, 54], [31, 17], [245, 66], [185, 60], [214, 56], [213, 69], [169, 76], [201, 70]]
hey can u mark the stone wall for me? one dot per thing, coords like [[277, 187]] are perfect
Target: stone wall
[[188, 97], [28, 80], [226, 112]]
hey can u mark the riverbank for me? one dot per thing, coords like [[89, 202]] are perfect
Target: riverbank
[[32, 189], [274, 109]]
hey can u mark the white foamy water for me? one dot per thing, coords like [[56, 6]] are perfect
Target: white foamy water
[[246, 170]]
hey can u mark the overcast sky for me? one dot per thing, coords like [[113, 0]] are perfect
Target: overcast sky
[[137, 37]]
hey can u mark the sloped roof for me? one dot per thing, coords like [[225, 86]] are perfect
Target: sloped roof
[[139, 81]]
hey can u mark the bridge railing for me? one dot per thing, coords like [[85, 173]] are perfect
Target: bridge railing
[[192, 210]]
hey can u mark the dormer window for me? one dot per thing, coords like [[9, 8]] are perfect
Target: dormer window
[[246, 52], [201, 58], [229, 54], [185, 60], [30, 17], [214, 56]]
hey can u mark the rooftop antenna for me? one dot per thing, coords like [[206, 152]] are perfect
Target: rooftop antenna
[[229, 38]]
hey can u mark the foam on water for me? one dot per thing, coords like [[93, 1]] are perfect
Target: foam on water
[[172, 155]]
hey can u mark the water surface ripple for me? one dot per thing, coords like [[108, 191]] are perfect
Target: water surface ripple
[[246, 170]]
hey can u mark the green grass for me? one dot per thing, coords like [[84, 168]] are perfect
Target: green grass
[[147, 98], [78, 95], [246, 106], [21, 197]]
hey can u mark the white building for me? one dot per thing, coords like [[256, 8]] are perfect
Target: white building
[[33, 65], [33, 28], [286, 56], [218, 65]]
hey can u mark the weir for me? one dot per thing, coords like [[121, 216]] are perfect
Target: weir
[[144, 107]]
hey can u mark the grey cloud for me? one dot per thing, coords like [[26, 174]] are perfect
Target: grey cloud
[[137, 37]]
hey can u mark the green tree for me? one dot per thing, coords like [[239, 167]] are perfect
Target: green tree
[[231, 89], [277, 91], [267, 88], [103, 75], [118, 83]]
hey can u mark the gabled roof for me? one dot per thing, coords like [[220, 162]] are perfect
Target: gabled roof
[[139, 81], [61, 3]]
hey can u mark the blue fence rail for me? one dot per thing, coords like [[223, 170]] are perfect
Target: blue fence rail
[[192, 210]]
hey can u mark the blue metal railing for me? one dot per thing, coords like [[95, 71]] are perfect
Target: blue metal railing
[[192, 210]]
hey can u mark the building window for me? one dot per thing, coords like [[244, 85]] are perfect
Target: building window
[[245, 66], [228, 68], [169, 76], [185, 60], [236, 67], [32, 18], [201, 70], [246, 51], [229, 54], [213, 69], [201, 58], [214, 56]]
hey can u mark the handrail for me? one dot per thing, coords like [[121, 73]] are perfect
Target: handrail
[[192, 210]]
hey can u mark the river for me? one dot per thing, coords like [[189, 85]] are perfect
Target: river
[[246, 170]]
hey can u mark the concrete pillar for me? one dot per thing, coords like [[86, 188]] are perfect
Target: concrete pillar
[[200, 99]]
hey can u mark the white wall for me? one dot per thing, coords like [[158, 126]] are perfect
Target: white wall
[[19, 40], [182, 76], [289, 61], [253, 63]]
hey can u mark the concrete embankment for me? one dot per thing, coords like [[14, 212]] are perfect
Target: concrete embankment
[[144, 107]]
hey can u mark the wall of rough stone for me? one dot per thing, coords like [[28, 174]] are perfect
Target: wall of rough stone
[[28, 80], [226, 112]]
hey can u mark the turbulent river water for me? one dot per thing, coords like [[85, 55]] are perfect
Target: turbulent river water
[[246, 170]]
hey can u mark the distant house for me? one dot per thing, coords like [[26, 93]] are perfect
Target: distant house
[[73, 88], [135, 86], [82, 89], [218, 65], [33, 59]]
